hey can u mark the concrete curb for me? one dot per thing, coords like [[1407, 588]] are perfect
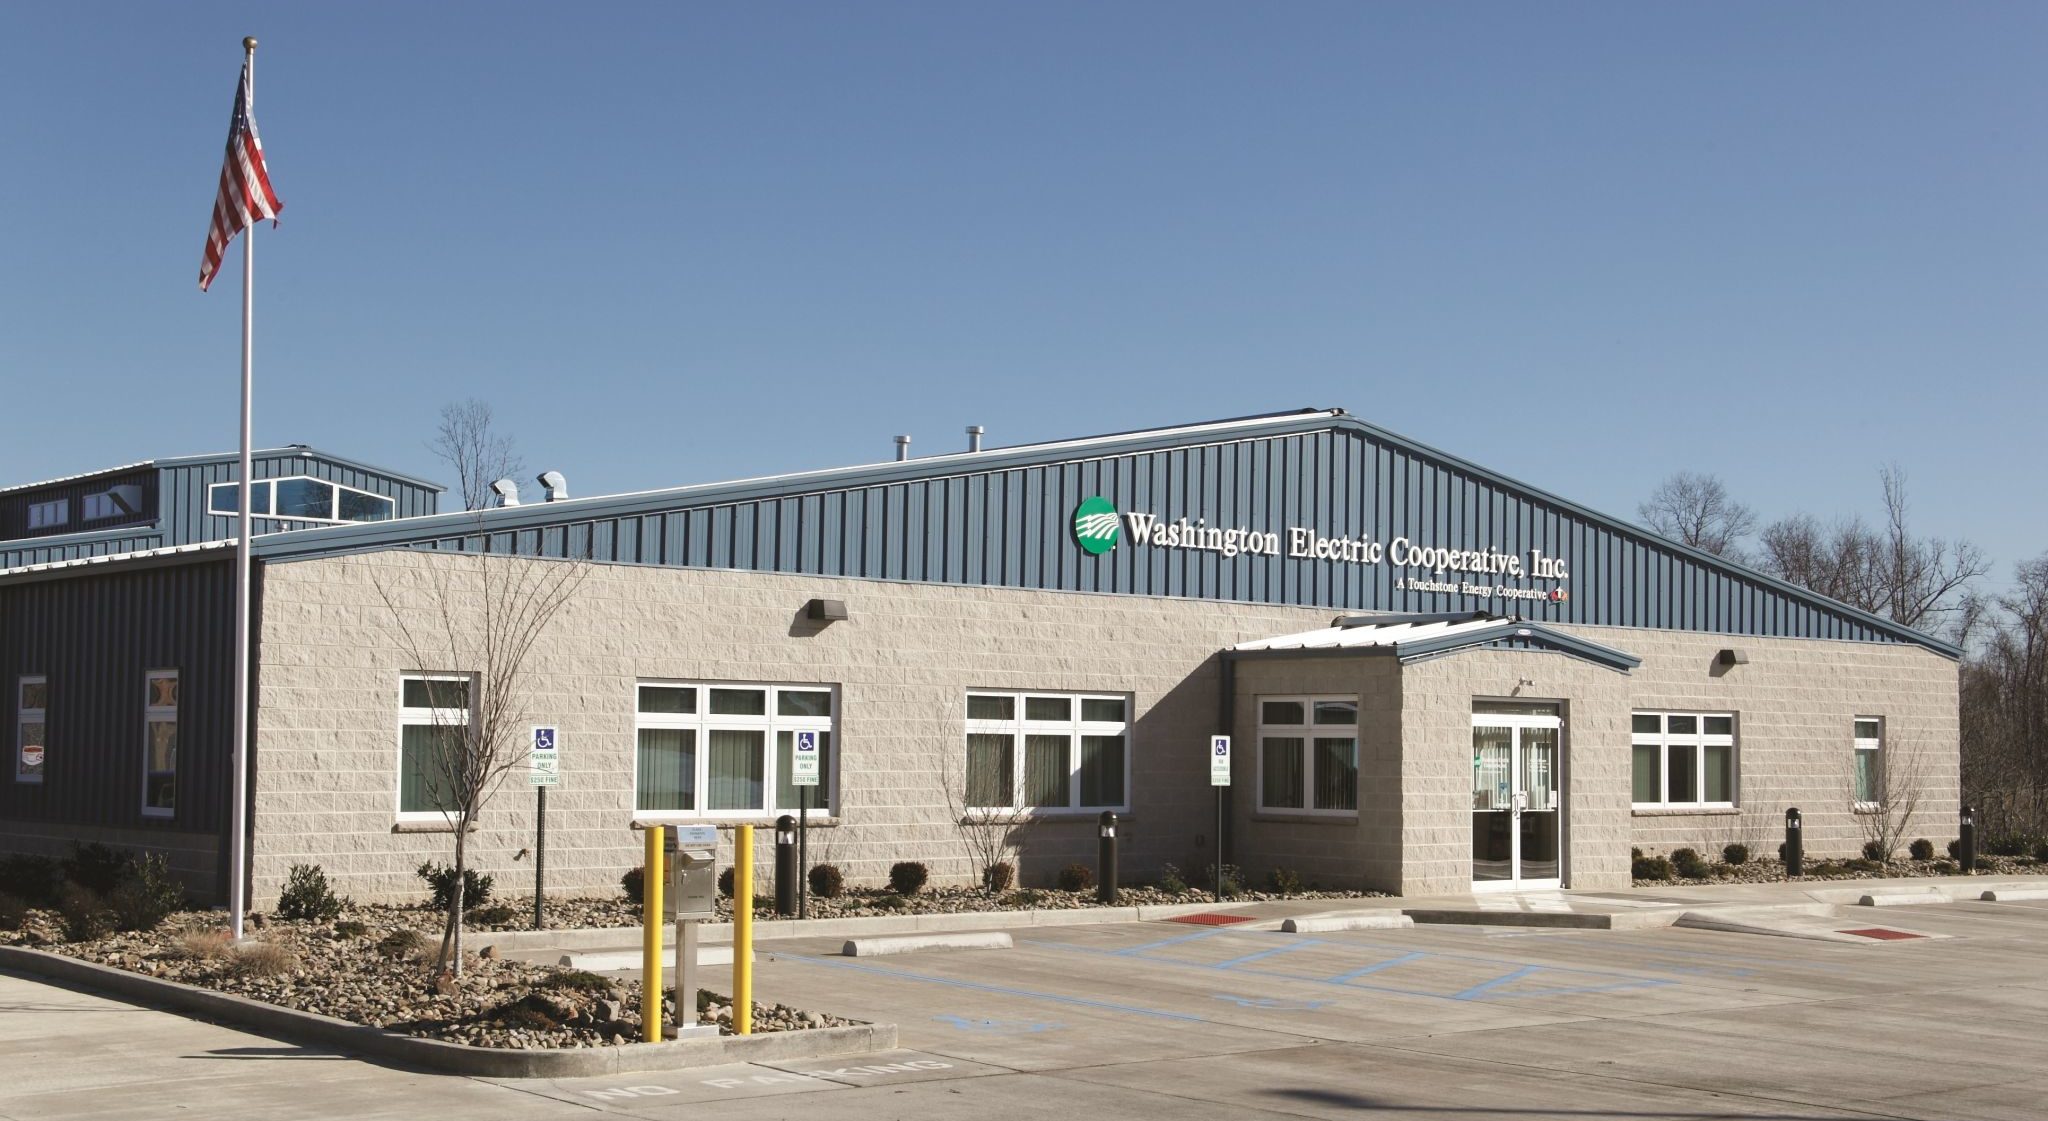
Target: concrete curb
[[2013, 894], [1369, 920], [1901, 899], [910, 944], [453, 1058], [609, 937], [1551, 920]]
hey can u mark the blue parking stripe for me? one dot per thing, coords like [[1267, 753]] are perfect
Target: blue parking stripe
[[1388, 964], [1287, 949]]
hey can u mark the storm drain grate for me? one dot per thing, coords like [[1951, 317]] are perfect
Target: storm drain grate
[[1881, 934], [1210, 919]]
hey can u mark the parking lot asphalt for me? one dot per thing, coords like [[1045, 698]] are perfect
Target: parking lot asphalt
[[1175, 1019]]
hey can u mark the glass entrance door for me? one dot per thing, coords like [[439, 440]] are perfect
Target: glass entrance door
[[1516, 803]]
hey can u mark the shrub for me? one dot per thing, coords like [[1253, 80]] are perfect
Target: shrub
[[476, 886], [826, 882], [264, 959], [13, 911], [1922, 849], [1170, 880], [890, 903], [1027, 898], [1781, 852], [307, 896], [1075, 877], [907, 877], [1227, 881], [1735, 853], [95, 867], [86, 914], [147, 895], [1984, 865], [1687, 863], [1286, 881], [634, 884], [1635, 853], [725, 882], [997, 878], [1651, 868], [1873, 851], [36, 880], [1955, 849], [2041, 854], [2010, 844], [576, 980], [1946, 868], [205, 943], [497, 914], [402, 944], [350, 928], [1864, 864]]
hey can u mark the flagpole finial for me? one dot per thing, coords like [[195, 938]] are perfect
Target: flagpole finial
[[249, 42]]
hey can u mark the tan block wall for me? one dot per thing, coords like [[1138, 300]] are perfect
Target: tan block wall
[[331, 659]]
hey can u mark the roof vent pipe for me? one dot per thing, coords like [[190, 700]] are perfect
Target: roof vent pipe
[[974, 432], [902, 448], [556, 485], [507, 492]]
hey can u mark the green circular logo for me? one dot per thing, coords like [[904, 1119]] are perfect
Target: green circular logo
[[1095, 528]]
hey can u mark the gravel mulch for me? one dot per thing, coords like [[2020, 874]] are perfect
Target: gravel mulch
[[1767, 871], [374, 966]]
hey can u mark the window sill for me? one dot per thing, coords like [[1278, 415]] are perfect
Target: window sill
[[429, 827], [1307, 817], [1685, 811], [817, 820]]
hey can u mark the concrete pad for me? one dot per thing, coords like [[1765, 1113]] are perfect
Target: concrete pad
[[1357, 920], [616, 961], [1901, 899], [917, 943]]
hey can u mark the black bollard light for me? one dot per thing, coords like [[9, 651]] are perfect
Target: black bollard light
[[785, 865], [1105, 859], [1795, 848], [1966, 844]]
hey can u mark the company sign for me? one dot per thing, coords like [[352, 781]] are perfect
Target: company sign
[[1473, 572]]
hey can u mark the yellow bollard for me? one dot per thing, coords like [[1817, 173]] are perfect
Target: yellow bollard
[[743, 931], [650, 939]]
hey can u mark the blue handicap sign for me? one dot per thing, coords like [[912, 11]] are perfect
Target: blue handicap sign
[[543, 739]]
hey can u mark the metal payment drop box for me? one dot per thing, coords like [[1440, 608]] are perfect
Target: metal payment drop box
[[692, 872]]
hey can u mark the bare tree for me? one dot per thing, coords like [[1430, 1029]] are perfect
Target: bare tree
[[477, 619], [2005, 710], [1696, 510], [478, 454], [991, 834], [1920, 582], [1900, 777]]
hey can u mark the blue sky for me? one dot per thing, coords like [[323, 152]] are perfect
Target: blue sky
[[1587, 245]]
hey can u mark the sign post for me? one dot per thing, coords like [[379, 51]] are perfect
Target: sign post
[[803, 774], [543, 769], [1219, 777]]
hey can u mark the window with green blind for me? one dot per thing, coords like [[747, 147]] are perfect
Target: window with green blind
[[1682, 760], [1308, 754], [1048, 752], [719, 749], [434, 713]]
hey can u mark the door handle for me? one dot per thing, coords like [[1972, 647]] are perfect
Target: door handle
[[1521, 801]]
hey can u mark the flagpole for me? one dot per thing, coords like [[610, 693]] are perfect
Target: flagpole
[[239, 829]]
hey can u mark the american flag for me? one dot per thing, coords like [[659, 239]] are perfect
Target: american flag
[[245, 195]]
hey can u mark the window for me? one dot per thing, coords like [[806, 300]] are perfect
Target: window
[[433, 715], [1308, 754], [1048, 752], [49, 515], [160, 743], [704, 750], [31, 728], [1683, 759], [1870, 760], [303, 499], [115, 502]]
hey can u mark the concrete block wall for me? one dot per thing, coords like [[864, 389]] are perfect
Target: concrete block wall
[[331, 657]]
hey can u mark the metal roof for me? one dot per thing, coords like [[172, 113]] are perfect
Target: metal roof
[[226, 457], [1413, 637], [105, 559]]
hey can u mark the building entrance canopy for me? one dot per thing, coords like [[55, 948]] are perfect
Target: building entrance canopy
[[1414, 637]]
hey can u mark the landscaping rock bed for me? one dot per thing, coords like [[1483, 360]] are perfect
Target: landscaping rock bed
[[1770, 870], [373, 966]]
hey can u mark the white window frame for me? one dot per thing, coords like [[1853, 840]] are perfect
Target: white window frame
[[771, 724], [1664, 740], [49, 514], [1876, 748], [23, 717], [125, 500], [1074, 729], [423, 716], [156, 714], [1308, 733], [268, 488]]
